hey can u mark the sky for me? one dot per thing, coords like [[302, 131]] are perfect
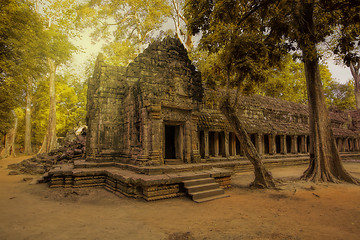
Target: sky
[[90, 50], [340, 73]]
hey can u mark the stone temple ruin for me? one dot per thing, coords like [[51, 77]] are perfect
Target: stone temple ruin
[[155, 132]]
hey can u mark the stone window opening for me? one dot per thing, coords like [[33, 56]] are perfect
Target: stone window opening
[[253, 139], [278, 143], [216, 143], [234, 145], [232, 148], [266, 144], [299, 143], [221, 144], [212, 143], [173, 142], [350, 144], [288, 144], [202, 144], [307, 144], [238, 146]]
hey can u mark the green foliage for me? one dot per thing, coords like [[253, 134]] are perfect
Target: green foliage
[[120, 53], [128, 24], [241, 55], [59, 47], [22, 54], [289, 83], [40, 111], [341, 95], [71, 104], [250, 37], [70, 107]]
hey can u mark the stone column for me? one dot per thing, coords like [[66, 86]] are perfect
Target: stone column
[[206, 142], [302, 147], [356, 143], [294, 144], [145, 138], [259, 143], [339, 144], [272, 144], [156, 155], [346, 145], [342, 144], [282, 144], [216, 144], [188, 142], [233, 144], [226, 142], [195, 155]]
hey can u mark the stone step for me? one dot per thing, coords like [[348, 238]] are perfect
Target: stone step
[[206, 194], [211, 198], [202, 187], [200, 181], [173, 161]]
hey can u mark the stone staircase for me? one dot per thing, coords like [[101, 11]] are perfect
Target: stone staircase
[[203, 189]]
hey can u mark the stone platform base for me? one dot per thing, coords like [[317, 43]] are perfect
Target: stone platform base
[[130, 183], [159, 182]]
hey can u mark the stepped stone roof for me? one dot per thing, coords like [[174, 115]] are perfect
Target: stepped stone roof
[[267, 115]]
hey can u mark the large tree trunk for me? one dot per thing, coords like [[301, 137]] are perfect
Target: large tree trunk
[[354, 68], [27, 140], [50, 140], [325, 163], [263, 178], [9, 148]]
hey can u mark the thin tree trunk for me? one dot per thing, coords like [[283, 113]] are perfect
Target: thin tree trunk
[[187, 42], [9, 148], [325, 163], [354, 68], [27, 144], [50, 139], [263, 178]]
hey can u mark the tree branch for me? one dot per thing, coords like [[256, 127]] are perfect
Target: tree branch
[[254, 9]]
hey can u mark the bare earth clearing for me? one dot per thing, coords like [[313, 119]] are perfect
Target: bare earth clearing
[[299, 210]]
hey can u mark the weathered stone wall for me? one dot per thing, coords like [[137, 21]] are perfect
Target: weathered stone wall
[[105, 116], [165, 73], [129, 107]]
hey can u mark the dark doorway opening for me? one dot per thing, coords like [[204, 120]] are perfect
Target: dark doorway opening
[[222, 144], [299, 144], [202, 144], [170, 146], [266, 144], [308, 144], [211, 143], [288, 144], [278, 144], [252, 138], [238, 146]]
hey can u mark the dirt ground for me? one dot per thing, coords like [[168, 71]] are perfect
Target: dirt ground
[[298, 210]]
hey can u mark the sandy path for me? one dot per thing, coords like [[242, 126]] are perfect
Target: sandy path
[[298, 211]]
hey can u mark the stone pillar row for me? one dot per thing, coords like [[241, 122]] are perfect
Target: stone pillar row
[[299, 144]]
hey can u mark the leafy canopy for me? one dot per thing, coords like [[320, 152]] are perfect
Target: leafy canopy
[[128, 25], [22, 54], [250, 37]]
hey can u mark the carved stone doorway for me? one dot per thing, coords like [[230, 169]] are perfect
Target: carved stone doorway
[[173, 142]]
